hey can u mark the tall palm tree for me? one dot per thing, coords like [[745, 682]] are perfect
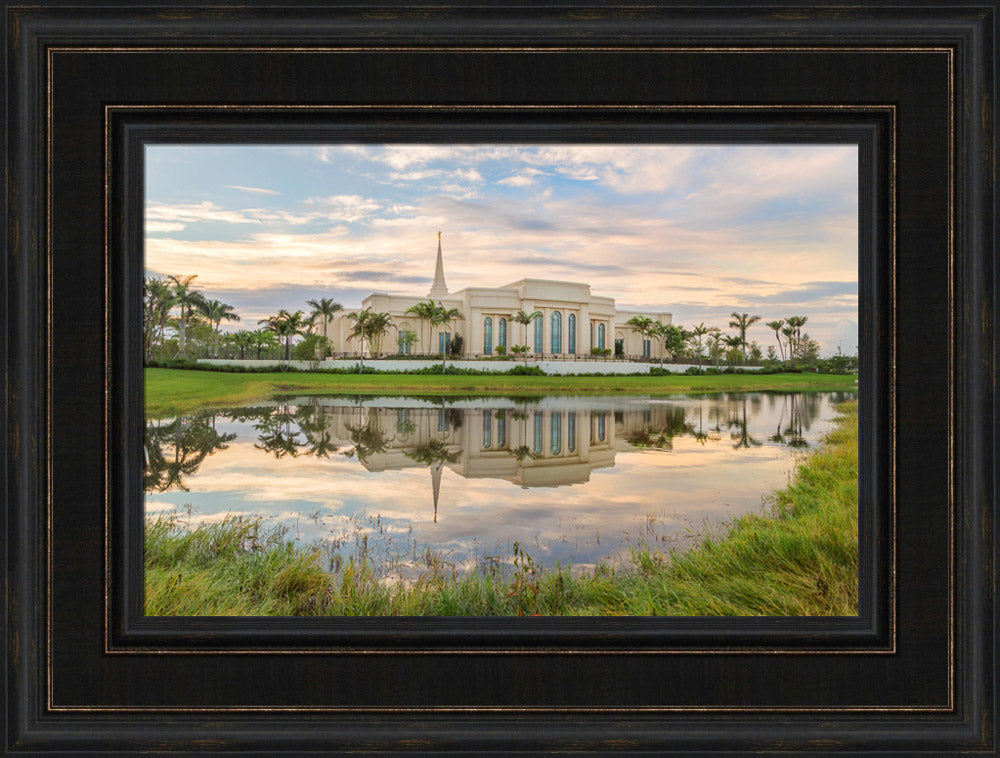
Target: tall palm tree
[[378, 326], [217, 312], [524, 319], [700, 331], [360, 329], [646, 327], [776, 326], [796, 323], [742, 322], [326, 308], [188, 299], [285, 325], [789, 332], [444, 316], [424, 310]]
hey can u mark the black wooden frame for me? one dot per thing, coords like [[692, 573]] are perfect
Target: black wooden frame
[[87, 84]]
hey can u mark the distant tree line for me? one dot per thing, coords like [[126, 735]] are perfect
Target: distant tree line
[[710, 346], [181, 321]]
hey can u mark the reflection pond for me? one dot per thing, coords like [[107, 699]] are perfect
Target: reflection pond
[[405, 481]]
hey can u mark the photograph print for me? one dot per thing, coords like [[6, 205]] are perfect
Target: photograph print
[[501, 380]]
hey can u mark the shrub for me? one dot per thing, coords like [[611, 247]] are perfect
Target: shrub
[[525, 371], [315, 347]]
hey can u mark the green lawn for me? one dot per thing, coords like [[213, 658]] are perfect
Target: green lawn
[[170, 391], [801, 560]]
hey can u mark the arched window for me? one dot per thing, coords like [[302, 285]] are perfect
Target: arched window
[[502, 336], [501, 429], [536, 437], [600, 336], [571, 432], [539, 323], [602, 422], [487, 429], [555, 443], [556, 332], [488, 335], [571, 335]]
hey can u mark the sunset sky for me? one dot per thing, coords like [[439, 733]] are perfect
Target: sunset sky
[[697, 230]]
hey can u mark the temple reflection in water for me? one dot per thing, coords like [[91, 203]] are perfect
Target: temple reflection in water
[[579, 478], [543, 442], [542, 446]]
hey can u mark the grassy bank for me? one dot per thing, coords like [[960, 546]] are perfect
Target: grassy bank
[[802, 560], [170, 391]]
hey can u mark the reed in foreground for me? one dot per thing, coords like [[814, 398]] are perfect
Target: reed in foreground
[[799, 560]]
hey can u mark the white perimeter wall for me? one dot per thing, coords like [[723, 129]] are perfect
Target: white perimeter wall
[[549, 367]]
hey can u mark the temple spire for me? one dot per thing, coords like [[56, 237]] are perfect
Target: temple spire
[[439, 288], [436, 486]]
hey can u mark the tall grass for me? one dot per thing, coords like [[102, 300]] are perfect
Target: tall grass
[[800, 560]]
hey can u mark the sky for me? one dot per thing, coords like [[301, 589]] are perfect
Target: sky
[[699, 231]]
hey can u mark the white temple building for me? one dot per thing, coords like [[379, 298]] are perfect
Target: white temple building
[[572, 322]]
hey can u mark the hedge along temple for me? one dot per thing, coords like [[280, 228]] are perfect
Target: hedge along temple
[[572, 321]]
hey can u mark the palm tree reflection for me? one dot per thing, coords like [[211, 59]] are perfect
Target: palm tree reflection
[[175, 449]]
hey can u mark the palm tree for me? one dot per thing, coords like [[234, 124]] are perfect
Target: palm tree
[[776, 326], [262, 338], [789, 332], [742, 322], [405, 339], [360, 328], [378, 325], [425, 312], [188, 299], [217, 312], [326, 308], [700, 331], [242, 339], [796, 323], [524, 319], [443, 316], [285, 325], [646, 327], [733, 342], [715, 340]]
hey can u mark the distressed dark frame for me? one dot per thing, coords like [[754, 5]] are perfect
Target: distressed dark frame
[[96, 690]]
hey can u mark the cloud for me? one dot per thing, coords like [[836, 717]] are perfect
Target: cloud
[[346, 208], [259, 190], [518, 180], [164, 226], [190, 213]]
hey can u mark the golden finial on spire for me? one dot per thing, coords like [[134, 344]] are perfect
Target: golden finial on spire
[[439, 236]]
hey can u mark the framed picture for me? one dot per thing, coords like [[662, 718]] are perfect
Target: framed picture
[[456, 498]]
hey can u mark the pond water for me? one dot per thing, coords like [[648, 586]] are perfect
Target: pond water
[[576, 480]]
